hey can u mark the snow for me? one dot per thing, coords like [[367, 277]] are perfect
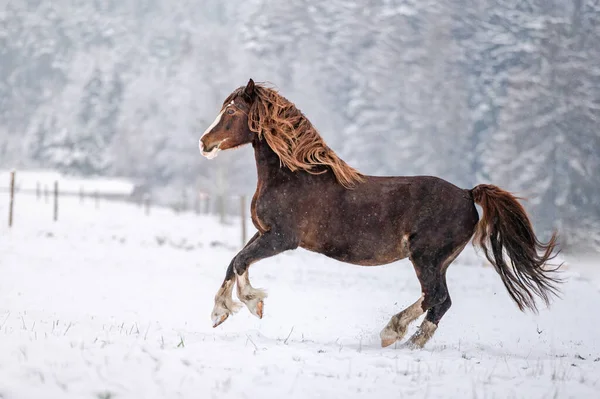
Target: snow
[[111, 303], [585, 266]]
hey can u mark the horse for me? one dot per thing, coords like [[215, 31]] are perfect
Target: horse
[[306, 196]]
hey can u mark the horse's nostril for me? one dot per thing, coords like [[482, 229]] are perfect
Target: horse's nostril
[[200, 145]]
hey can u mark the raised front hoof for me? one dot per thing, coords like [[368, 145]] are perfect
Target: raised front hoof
[[259, 309], [218, 320], [221, 312], [253, 299], [256, 307]]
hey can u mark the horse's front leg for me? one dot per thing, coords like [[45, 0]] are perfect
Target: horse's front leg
[[224, 303], [266, 245]]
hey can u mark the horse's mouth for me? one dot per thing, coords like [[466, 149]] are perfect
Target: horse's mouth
[[212, 151]]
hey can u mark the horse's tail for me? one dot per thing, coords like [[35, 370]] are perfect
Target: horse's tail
[[507, 227]]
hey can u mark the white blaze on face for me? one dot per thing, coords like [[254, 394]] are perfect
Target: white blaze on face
[[214, 151], [212, 125], [201, 146]]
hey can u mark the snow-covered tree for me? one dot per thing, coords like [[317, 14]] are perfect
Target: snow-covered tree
[[502, 91], [547, 145]]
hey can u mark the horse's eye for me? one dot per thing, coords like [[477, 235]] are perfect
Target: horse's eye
[[230, 111]]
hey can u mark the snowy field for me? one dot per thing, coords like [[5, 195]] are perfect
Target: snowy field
[[111, 303]]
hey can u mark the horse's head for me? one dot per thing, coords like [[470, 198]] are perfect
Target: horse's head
[[230, 128]]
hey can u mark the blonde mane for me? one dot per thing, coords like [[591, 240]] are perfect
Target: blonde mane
[[293, 138]]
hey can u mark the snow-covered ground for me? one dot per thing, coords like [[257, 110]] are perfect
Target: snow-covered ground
[[111, 303]]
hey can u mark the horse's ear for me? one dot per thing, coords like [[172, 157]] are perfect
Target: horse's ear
[[249, 90]]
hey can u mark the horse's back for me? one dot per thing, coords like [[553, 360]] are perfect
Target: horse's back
[[414, 197], [372, 223], [435, 204]]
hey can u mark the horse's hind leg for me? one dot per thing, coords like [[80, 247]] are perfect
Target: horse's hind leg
[[436, 299], [433, 292], [430, 267]]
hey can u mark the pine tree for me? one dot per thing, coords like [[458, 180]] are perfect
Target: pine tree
[[547, 145]]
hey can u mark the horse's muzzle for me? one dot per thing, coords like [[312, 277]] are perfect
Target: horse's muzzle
[[209, 151]]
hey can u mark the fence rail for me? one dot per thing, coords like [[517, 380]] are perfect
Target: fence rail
[[202, 203]]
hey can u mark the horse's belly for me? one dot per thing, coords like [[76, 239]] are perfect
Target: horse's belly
[[359, 251]]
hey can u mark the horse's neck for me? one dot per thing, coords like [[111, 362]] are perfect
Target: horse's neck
[[268, 165]]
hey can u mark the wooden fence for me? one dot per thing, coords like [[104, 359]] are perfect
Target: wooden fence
[[202, 204]]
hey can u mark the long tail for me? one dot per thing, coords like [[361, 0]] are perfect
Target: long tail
[[507, 228]]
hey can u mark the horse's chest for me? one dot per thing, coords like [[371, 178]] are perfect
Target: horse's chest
[[258, 210], [272, 206]]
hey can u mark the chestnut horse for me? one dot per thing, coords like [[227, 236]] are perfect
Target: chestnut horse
[[308, 197]]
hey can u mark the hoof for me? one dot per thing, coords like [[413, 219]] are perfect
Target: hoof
[[422, 336], [411, 345], [388, 337], [219, 320], [254, 301], [222, 311], [256, 307], [259, 309]]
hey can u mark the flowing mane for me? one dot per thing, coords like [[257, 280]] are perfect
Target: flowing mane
[[292, 137]]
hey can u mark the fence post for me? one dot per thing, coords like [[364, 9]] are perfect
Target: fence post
[[12, 198], [197, 203], [184, 200], [206, 204], [221, 206], [45, 193], [55, 200], [81, 195], [221, 191], [38, 191], [147, 203], [243, 215]]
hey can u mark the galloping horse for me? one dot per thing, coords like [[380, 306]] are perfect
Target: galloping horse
[[308, 197]]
